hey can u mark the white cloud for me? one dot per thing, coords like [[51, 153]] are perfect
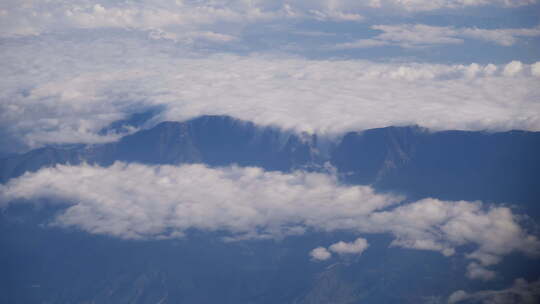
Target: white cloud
[[421, 35], [535, 69], [174, 17], [137, 201], [341, 248], [242, 201], [435, 225], [521, 292], [513, 68], [320, 254], [428, 5], [476, 271], [504, 37], [34, 17], [61, 91], [356, 247]]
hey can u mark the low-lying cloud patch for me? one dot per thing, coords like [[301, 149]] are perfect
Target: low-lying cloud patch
[[141, 202]]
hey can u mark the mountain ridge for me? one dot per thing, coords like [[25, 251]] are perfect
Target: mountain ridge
[[491, 166]]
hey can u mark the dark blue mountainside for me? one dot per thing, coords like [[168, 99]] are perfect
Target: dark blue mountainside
[[52, 265]]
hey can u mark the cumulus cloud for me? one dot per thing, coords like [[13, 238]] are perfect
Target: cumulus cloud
[[535, 69], [341, 248], [421, 35], [521, 292], [137, 201], [435, 225], [247, 202], [64, 91], [513, 68], [320, 254], [356, 247]]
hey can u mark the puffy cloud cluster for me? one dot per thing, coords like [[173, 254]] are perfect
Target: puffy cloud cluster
[[521, 292], [58, 91], [186, 19], [431, 224], [421, 35], [137, 201], [320, 254], [341, 248]]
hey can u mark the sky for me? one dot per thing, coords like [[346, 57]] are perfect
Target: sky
[[71, 68]]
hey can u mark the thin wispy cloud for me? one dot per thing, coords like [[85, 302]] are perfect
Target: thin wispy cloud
[[421, 35], [520, 292]]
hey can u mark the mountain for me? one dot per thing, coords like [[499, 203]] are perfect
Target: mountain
[[213, 140], [44, 264], [497, 167]]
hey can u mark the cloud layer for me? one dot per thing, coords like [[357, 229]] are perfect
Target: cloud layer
[[63, 91], [421, 35], [186, 19], [137, 201]]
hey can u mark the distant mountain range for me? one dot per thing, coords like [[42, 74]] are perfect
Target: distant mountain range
[[54, 265], [498, 167]]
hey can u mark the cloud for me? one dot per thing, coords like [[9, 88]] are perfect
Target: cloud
[[435, 225], [356, 247], [246, 202], [341, 248], [476, 271], [504, 37], [428, 5], [34, 17], [535, 69], [320, 254], [57, 90], [421, 35], [138, 201], [521, 292], [513, 68]]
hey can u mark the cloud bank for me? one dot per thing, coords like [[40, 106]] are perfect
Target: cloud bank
[[46, 96], [138, 201], [421, 35], [187, 19]]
